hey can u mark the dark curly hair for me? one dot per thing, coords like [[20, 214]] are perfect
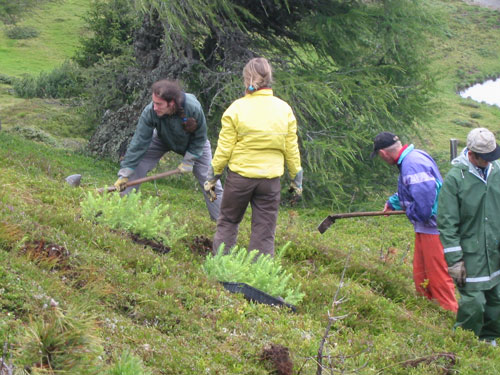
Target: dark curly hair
[[171, 90]]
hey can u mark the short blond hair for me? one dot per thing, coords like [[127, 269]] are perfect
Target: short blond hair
[[257, 74]]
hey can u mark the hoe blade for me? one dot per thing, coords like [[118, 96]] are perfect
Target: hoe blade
[[325, 224]]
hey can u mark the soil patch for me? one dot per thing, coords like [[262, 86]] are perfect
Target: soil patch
[[201, 245], [279, 358], [155, 245], [56, 255]]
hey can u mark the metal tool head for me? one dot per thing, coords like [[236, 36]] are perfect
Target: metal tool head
[[74, 179], [325, 224]]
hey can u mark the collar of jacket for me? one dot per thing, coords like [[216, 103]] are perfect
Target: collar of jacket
[[405, 151], [464, 163], [261, 92]]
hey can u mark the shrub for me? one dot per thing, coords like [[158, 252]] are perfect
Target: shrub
[[34, 134], [21, 32], [60, 342], [65, 81], [112, 24], [146, 218], [264, 273], [107, 88], [128, 364], [4, 78]]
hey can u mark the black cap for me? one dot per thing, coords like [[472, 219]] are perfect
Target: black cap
[[383, 140]]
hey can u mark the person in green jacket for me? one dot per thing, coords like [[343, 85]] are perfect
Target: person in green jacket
[[173, 121], [469, 223]]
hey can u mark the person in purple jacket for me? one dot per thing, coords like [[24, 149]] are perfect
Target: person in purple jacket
[[418, 190]]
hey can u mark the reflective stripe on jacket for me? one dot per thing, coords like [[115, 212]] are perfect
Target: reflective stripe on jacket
[[418, 189], [469, 221], [170, 130], [258, 134]]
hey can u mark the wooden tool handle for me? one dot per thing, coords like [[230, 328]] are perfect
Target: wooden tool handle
[[141, 180], [369, 213]]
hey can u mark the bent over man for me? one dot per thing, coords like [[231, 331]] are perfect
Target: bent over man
[[419, 184], [469, 221], [173, 121]]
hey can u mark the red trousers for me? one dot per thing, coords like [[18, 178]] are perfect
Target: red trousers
[[430, 271]]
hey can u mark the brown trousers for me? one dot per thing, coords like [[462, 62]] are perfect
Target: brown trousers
[[263, 194]]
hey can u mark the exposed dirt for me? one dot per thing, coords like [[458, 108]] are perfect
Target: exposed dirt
[[201, 245], [155, 245], [51, 253], [279, 358]]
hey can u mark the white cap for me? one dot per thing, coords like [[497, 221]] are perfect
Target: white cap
[[482, 142]]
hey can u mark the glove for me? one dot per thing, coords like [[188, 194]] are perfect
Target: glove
[[457, 273], [210, 183], [186, 166], [296, 184], [121, 183]]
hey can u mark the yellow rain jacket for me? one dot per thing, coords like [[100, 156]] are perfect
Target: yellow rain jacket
[[259, 133]]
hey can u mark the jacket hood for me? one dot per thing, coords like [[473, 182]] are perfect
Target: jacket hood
[[462, 161]]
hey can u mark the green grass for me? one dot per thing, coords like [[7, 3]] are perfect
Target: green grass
[[469, 53], [60, 25], [159, 313], [163, 309]]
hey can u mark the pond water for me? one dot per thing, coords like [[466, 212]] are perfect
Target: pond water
[[487, 92]]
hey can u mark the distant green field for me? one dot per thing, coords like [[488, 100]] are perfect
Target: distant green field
[[468, 53], [56, 22]]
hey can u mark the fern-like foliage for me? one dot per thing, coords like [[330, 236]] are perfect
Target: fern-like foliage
[[262, 272], [147, 218]]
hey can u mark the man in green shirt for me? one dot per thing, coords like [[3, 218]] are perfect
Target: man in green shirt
[[173, 121], [469, 223]]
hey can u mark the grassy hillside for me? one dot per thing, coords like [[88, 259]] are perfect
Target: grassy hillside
[[469, 53], [59, 24], [162, 307], [101, 295]]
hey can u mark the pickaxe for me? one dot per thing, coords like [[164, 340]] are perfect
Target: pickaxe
[[330, 219], [141, 180]]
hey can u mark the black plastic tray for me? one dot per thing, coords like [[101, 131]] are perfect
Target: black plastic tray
[[255, 295]]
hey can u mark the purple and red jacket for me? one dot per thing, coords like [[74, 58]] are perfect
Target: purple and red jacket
[[419, 184]]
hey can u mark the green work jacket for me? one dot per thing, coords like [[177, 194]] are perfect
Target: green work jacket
[[170, 130], [469, 221]]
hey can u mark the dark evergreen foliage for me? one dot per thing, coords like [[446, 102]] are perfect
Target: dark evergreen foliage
[[111, 24], [348, 68], [66, 81]]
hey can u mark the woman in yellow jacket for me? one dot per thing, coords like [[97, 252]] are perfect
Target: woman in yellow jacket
[[258, 135]]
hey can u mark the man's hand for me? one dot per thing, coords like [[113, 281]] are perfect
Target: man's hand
[[457, 273], [296, 187], [121, 183], [210, 183], [186, 166]]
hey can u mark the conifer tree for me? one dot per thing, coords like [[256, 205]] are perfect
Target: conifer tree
[[348, 68]]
